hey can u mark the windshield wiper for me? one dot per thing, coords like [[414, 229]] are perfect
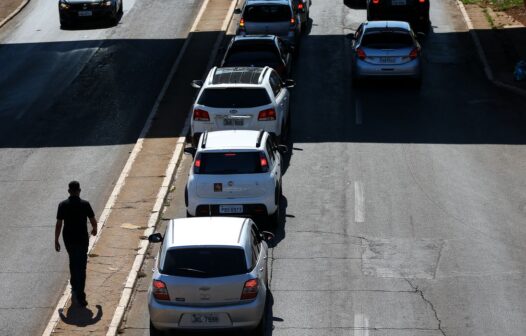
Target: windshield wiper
[[190, 270]]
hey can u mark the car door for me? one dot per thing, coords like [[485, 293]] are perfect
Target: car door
[[281, 96], [259, 255], [275, 160], [285, 56]]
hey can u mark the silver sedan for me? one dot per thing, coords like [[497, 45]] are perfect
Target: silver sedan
[[386, 49]]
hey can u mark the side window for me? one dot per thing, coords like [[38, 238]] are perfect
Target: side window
[[275, 83], [270, 150], [255, 246]]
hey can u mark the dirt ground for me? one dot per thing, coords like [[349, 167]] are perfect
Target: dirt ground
[[518, 13], [7, 7]]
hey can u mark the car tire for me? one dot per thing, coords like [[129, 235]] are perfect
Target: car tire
[[121, 9], [356, 82], [65, 24], [188, 215], [154, 331]]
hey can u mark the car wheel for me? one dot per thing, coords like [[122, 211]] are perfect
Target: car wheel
[[154, 331], [121, 9], [188, 214], [65, 24]]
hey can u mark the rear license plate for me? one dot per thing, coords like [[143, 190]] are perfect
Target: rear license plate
[[398, 2], [230, 209], [203, 319], [233, 122], [387, 60], [85, 13]]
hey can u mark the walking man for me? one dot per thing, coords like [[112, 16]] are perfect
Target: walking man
[[72, 213]]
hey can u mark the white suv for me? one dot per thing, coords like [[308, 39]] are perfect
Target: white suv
[[242, 98], [235, 173]]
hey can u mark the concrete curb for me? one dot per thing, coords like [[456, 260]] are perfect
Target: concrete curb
[[482, 55], [14, 13]]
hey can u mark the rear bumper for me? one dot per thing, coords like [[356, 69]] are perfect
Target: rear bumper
[[242, 316], [198, 127], [73, 14], [364, 69], [258, 206]]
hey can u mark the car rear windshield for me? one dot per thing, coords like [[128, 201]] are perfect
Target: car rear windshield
[[267, 13], [230, 163], [205, 262], [386, 40], [251, 58], [234, 97]]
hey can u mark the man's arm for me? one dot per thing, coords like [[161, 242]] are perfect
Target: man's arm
[[94, 223], [58, 228]]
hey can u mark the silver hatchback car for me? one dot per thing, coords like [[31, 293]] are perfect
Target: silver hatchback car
[[211, 273], [386, 49]]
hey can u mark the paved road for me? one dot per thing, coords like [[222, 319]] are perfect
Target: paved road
[[72, 104], [405, 209]]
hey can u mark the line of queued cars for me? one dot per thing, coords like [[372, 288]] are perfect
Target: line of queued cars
[[211, 270]]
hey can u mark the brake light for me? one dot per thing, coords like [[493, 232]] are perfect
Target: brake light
[[242, 23], [376, 2], [250, 290], [197, 163], [413, 54], [422, 1], [292, 21], [267, 115], [300, 5], [159, 291], [361, 54], [263, 162], [201, 115]]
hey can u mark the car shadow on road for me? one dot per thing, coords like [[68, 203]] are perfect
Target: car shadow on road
[[80, 316]]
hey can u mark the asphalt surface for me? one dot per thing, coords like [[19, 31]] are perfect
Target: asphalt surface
[[405, 208], [72, 104]]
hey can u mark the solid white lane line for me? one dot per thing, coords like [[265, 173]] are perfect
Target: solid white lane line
[[359, 202], [361, 325]]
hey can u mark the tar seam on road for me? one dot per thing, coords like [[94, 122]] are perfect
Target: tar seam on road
[[359, 203]]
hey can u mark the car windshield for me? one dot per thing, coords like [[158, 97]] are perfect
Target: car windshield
[[387, 40], [267, 13], [205, 262], [234, 97], [230, 163]]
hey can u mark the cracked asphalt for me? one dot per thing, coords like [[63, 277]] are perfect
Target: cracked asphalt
[[437, 248]]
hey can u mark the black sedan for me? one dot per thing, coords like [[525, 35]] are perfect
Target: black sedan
[[71, 11], [259, 51], [416, 12]]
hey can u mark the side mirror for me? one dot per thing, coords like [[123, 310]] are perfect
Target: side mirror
[[267, 236], [190, 150], [155, 238], [290, 83], [283, 149], [197, 83], [237, 11]]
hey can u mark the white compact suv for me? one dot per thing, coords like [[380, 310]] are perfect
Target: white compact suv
[[242, 98], [235, 173], [210, 273]]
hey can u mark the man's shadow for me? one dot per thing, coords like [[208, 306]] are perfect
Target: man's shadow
[[80, 316]]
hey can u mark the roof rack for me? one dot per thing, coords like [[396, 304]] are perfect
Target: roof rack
[[205, 137], [260, 136]]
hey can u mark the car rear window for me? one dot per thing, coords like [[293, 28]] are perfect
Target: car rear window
[[205, 262], [251, 58], [267, 13], [384, 40], [229, 163], [234, 97]]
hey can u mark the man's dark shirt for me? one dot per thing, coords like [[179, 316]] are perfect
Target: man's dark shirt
[[75, 212]]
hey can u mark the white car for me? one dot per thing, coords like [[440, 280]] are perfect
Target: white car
[[210, 273], [242, 98], [235, 173]]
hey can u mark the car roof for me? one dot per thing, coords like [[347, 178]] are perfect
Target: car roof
[[232, 139], [237, 75], [388, 24], [255, 2], [207, 231]]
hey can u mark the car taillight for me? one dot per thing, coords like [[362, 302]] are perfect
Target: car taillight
[[159, 291], [361, 54], [422, 1], [201, 115], [376, 2], [413, 54], [242, 23], [267, 115], [300, 6], [197, 163], [250, 290]]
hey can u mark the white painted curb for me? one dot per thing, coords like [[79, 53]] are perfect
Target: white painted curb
[[482, 55]]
